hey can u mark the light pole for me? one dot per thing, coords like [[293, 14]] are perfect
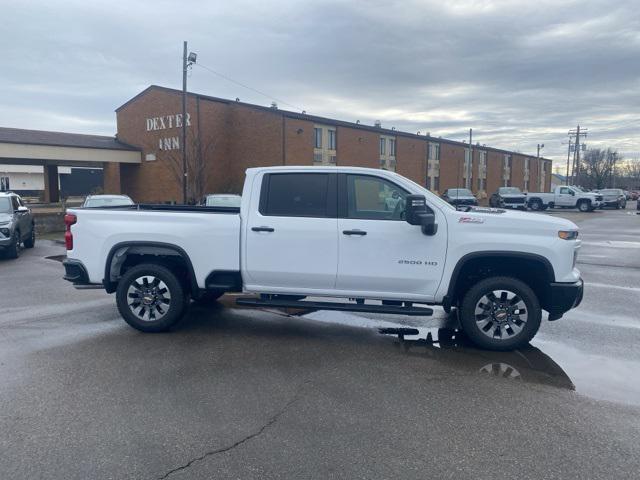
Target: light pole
[[187, 61]]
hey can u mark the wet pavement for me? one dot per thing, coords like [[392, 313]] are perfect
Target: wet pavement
[[238, 393]]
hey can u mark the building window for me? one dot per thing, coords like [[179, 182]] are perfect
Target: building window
[[434, 151], [467, 173], [526, 186], [482, 184], [4, 184], [324, 152], [433, 167], [506, 170], [388, 153]]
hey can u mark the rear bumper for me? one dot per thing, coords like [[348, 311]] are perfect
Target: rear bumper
[[75, 272], [563, 297]]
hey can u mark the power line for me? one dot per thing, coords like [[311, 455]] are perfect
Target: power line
[[229, 79]]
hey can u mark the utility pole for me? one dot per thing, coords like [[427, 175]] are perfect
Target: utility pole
[[184, 124], [566, 178], [575, 135], [470, 167]]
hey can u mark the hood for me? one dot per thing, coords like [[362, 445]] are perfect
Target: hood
[[5, 217], [461, 197]]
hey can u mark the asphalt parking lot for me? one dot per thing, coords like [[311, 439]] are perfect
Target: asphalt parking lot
[[261, 394]]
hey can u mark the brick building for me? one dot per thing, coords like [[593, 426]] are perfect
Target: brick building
[[224, 137]]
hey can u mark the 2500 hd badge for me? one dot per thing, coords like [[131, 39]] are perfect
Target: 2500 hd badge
[[418, 262]]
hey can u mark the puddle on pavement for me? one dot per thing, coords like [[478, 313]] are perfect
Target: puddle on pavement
[[545, 362]]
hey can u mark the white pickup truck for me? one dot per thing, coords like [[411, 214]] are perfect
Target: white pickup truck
[[565, 197], [328, 232]]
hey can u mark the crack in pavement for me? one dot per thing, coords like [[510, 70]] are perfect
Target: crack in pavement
[[273, 419]]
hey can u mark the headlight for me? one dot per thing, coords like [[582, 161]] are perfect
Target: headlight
[[5, 231], [568, 234]]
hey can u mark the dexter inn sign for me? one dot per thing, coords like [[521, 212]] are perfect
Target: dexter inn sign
[[167, 122]]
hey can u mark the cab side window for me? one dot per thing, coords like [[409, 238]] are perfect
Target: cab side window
[[298, 195], [14, 203], [373, 198]]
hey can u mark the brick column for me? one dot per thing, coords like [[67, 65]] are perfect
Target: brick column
[[51, 185], [111, 178]]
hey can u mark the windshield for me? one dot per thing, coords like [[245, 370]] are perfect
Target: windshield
[[510, 191], [611, 192], [223, 201], [107, 201], [462, 192], [5, 205]]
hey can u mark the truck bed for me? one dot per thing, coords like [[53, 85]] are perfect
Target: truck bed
[[208, 235]]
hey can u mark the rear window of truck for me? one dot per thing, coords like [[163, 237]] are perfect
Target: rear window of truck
[[298, 195]]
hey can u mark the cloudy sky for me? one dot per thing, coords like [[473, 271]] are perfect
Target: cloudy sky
[[517, 72]]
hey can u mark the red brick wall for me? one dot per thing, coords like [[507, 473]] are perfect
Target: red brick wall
[[517, 171], [358, 148], [298, 142], [411, 156], [451, 166], [111, 178], [494, 171]]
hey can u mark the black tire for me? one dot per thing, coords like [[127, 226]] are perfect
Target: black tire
[[169, 304], [31, 241], [482, 328], [552, 205], [13, 251], [584, 206], [536, 205]]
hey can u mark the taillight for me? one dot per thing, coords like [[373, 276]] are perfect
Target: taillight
[[69, 219]]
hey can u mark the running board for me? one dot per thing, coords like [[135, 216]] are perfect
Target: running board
[[344, 307]]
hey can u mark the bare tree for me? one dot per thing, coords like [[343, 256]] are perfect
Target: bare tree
[[597, 167], [199, 163]]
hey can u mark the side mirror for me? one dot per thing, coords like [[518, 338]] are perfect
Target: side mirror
[[22, 209], [417, 213]]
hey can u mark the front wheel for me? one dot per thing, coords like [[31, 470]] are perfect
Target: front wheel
[[584, 206], [535, 205], [150, 298], [13, 251], [500, 313], [31, 241]]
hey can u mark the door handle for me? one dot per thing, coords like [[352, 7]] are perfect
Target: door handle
[[354, 232], [262, 229]]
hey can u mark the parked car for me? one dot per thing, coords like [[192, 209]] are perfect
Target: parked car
[[311, 231], [627, 194], [459, 196], [565, 197], [508, 197], [17, 225], [613, 197], [93, 201], [635, 194], [222, 200]]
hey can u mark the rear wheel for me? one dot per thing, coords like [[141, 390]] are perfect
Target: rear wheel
[[500, 313], [150, 298]]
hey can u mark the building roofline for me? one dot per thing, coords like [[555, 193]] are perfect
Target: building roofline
[[324, 120], [119, 146]]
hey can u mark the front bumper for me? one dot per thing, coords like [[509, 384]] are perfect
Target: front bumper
[[75, 272], [563, 297]]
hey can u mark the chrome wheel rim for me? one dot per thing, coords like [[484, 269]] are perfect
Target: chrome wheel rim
[[500, 314], [148, 298]]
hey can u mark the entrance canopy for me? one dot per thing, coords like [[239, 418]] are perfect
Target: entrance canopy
[[52, 149]]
